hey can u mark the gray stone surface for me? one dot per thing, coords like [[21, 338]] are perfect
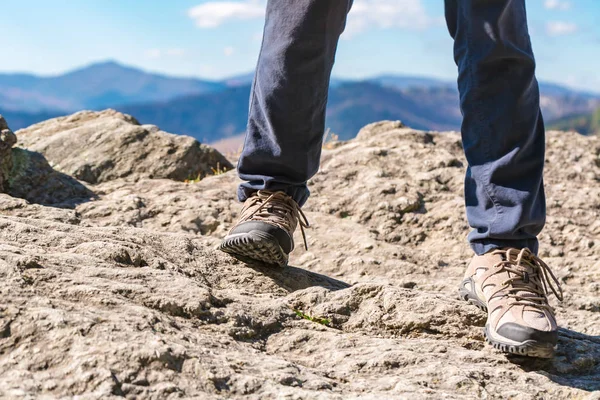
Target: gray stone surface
[[26, 174], [7, 141], [101, 146], [125, 296]]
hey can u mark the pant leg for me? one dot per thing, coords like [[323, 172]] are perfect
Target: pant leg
[[503, 129], [286, 122]]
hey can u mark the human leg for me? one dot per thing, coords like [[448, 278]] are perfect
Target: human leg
[[285, 127], [287, 105], [503, 140]]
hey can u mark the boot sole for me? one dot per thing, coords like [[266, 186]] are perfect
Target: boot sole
[[528, 348], [255, 247]]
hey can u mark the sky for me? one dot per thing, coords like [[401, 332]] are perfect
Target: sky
[[215, 39]]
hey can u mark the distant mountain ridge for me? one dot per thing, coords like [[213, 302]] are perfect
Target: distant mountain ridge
[[216, 110], [97, 86], [586, 124], [351, 105], [407, 82], [20, 119]]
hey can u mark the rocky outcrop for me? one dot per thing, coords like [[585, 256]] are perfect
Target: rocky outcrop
[[125, 296], [26, 174], [7, 141], [96, 147]]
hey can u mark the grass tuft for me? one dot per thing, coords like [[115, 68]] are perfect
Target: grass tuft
[[193, 180], [318, 320], [330, 140], [215, 171], [219, 170]]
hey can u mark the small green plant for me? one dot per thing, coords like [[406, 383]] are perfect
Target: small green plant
[[329, 140], [216, 171], [219, 170], [318, 320], [193, 180]]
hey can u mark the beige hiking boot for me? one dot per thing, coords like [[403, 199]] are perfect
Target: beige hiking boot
[[265, 232], [512, 286]]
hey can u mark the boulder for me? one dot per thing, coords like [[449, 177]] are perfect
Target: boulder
[[26, 174], [97, 147], [7, 141]]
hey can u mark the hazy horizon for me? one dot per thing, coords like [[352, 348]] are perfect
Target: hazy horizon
[[244, 74], [214, 40]]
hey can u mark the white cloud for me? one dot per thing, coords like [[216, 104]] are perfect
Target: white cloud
[[228, 51], [557, 5], [153, 53], [404, 14], [176, 52], [158, 53], [365, 14], [560, 28], [216, 13]]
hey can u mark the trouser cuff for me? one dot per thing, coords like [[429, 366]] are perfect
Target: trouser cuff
[[299, 193], [480, 247]]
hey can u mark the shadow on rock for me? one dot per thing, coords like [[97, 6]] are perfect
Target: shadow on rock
[[294, 278], [33, 179], [576, 363], [28, 175]]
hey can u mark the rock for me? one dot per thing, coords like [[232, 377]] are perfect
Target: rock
[[27, 175], [125, 296], [34, 180], [96, 147], [7, 141]]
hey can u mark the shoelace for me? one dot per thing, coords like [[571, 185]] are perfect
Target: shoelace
[[282, 207], [521, 281]]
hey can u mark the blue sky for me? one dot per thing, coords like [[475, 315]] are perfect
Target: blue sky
[[216, 39]]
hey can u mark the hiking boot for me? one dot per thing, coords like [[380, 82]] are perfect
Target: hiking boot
[[512, 286], [265, 232]]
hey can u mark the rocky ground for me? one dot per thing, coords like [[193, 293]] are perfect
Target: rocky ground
[[111, 286]]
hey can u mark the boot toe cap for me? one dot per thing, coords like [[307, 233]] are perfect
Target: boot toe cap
[[520, 333], [283, 238]]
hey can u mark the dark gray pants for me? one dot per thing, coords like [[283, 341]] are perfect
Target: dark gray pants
[[502, 130]]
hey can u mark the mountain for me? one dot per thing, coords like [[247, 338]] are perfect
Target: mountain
[[20, 120], [409, 82], [239, 80], [216, 110], [246, 79], [553, 89], [586, 124], [354, 105], [97, 86], [212, 117], [215, 116], [207, 117]]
